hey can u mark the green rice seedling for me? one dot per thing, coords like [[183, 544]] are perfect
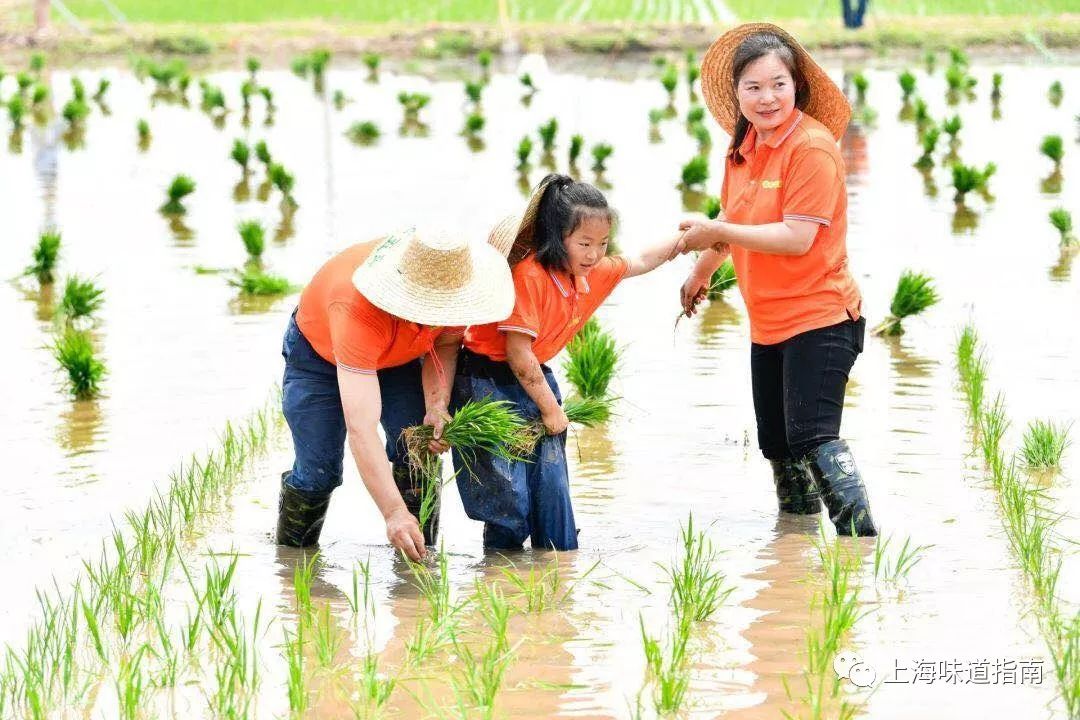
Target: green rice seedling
[[253, 236], [130, 685], [526, 81], [577, 143], [914, 293], [82, 298], [956, 77], [669, 78], [995, 90], [711, 207], [39, 95], [547, 133], [668, 666], [142, 128], [541, 589], [694, 115], [253, 65], [102, 88], [1044, 443], [921, 114], [861, 84], [1055, 93], [268, 98], [46, 253], [474, 124], [74, 352], [1053, 148], [993, 423], [372, 62], [74, 112], [958, 57], [588, 412], [693, 70], [656, 115], [952, 126], [24, 82], [320, 58], [16, 108], [253, 281], [241, 154], [300, 65], [697, 588], [695, 172], [896, 569], [474, 91], [180, 187], [375, 687], [907, 84], [971, 364], [702, 136], [247, 91], [928, 139], [434, 587], [213, 98], [284, 181], [296, 678], [968, 178], [495, 610], [363, 133], [325, 638], [601, 152], [592, 359], [262, 153], [479, 679], [524, 149], [78, 90], [722, 279], [1061, 219], [413, 103], [37, 62], [340, 100]]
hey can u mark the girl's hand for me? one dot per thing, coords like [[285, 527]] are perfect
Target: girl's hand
[[555, 421], [699, 233]]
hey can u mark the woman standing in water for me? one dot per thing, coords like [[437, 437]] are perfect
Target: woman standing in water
[[785, 224]]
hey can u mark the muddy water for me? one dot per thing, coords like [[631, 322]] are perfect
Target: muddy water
[[185, 353]]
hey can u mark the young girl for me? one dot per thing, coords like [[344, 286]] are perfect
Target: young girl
[[561, 276]]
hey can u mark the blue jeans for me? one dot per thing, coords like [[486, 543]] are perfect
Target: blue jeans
[[515, 500], [311, 402]]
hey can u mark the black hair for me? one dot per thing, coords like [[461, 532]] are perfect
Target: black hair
[[564, 205], [753, 47]]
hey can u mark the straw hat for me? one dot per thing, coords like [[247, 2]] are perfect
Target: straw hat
[[503, 236], [434, 279], [827, 103]]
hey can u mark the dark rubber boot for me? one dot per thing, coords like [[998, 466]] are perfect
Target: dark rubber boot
[[300, 515], [795, 489], [411, 487], [841, 488]]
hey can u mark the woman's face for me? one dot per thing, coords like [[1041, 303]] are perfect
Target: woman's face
[[587, 245], [766, 93]]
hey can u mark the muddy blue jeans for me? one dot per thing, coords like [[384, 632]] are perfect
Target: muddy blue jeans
[[515, 500], [311, 402]]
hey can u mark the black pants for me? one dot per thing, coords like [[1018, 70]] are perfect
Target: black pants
[[799, 388]]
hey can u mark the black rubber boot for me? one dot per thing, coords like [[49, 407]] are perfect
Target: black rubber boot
[[795, 489], [300, 515], [411, 487], [842, 489]]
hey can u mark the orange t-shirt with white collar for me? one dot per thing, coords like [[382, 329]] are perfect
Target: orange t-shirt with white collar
[[797, 174], [344, 328], [549, 305]]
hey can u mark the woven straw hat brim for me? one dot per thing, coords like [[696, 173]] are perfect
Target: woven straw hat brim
[[503, 235], [488, 295], [827, 104]]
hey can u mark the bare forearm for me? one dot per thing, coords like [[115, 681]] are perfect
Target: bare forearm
[[527, 370], [436, 388], [773, 238], [369, 453], [709, 261], [654, 256]]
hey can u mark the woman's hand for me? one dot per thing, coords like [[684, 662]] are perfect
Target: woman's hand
[[699, 233], [555, 420], [436, 418], [693, 291], [403, 532]]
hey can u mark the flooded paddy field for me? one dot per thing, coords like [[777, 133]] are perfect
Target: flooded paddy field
[[186, 351]]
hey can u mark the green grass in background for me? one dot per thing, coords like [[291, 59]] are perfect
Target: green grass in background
[[214, 11]]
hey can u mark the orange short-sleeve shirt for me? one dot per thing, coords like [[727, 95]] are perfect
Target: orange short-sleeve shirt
[[347, 330], [550, 306], [797, 174]]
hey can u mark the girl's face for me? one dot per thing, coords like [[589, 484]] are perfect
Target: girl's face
[[587, 245], [766, 93]]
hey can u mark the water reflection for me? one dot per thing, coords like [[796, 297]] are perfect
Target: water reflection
[[80, 427]]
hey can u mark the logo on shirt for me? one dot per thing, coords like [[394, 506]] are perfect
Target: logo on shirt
[[770, 184]]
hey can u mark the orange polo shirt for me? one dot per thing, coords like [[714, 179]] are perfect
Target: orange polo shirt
[[347, 330], [797, 174], [550, 306]]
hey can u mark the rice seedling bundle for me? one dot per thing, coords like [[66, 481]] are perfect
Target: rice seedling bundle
[[180, 187], [952, 126], [262, 152], [524, 149], [102, 88], [929, 140], [75, 111], [474, 123], [907, 84], [601, 152], [82, 298], [702, 136], [577, 143], [363, 133], [547, 134], [695, 172], [253, 237], [46, 253], [1044, 443], [74, 352], [253, 65], [967, 178], [995, 82], [16, 108], [1055, 93], [694, 115], [1053, 148], [23, 81], [526, 81], [241, 154], [372, 62], [914, 293], [1061, 219], [39, 95], [253, 281], [283, 180], [592, 359], [670, 79], [723, 278], [655, 116], [862, 84], [693, 71], [484, 59], [474, 91], [413, 103], [142, 127], [319, 59]]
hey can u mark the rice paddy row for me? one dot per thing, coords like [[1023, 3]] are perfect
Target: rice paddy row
[[1026, 514], [111, 627]]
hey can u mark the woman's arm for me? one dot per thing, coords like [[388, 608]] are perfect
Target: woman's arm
[[362, 405], [522, 360], [443, 355], [790, 237], [654, 256]]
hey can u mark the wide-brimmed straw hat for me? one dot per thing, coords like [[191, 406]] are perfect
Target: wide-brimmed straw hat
[[503, 236], [827, 103], [431, 278]]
